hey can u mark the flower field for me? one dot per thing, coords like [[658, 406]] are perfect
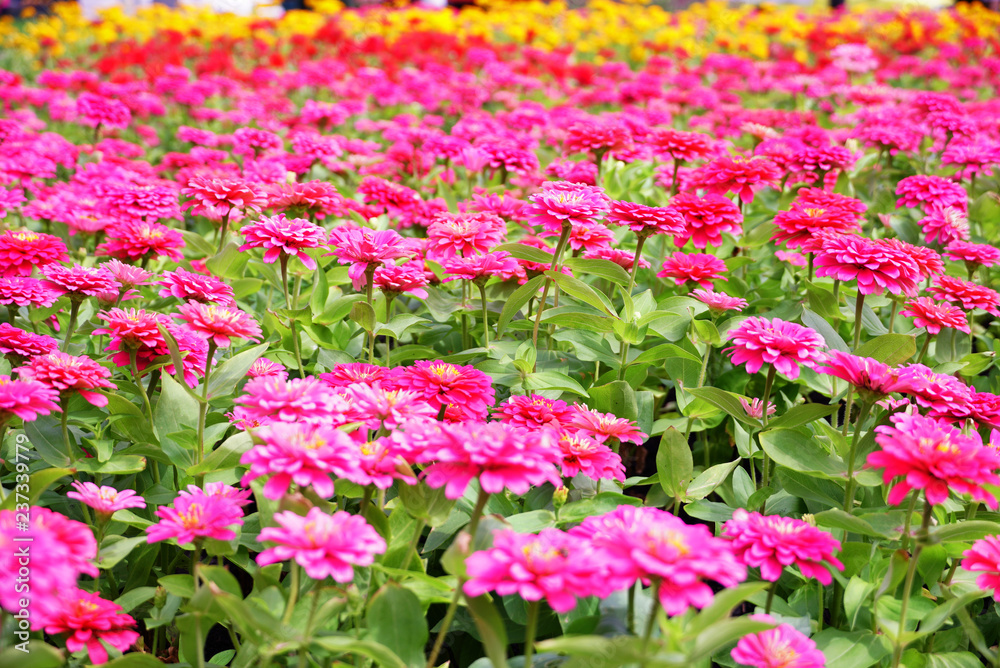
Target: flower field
[[510, 336]]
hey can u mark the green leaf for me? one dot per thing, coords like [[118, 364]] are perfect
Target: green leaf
[[134, 660], [491, 629], [45, 438], [800, 415], [363, 314], [936, 618], [722, 604], [517, 300], [891, 349], [576, 288], [116, 548], [230, 263], [662, 352], [722, 633], [525, 252], [674, 463], [37, 655], [132, 599], [399, 324], [964, 531], [396, 620], [617, 398], [825, 330], [224, 378], [320, 291], [337, 310], [726, 401], [800, 453], [226, 456], [38, 482], [706, 481], [601, 268], [855, 649], [871, 322], [119, 464], [175, 410], [553, 380]]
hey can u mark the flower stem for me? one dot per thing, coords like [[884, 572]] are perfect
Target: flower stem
[[199, 637], [563, 238], [134, 368], [74, 311], [650, 622], [892, 315], [911, 571], [858, 310], [765, 475], [293, 593], [770, 597], [203, 404], [852, 455], [223, 230], [64, 420], [923, 348], [283, 263], [635, 265], [529, 632], [486, 319]]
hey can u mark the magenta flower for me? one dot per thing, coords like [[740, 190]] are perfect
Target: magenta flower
[[931, 192], [984, 558], [16, 341], [696, 267], [781, 647], [280, 236], [88, 620], [785, 345], [99, 111], [465, 234], [195, 516], [935, 316], [943, 395], [945, 226], [593, 459], [395, 279], [773, 542], [553, 565], [928, 454], [973, 255], [706, 219], [27, 399], [645, 220], [263, 368], [189, 286], [755, 407], [219, 324], [79, 282], [873, 379], [378, 407], [66, 373], [280, 399], [466, 388], [323, 545], [719, 302], [876, 266], [534, 412], [134, 240], [560, 204], [603, 427], [105, 500], [301, 453], [738, 174], [363, 248], [21, 251], [970, 295]]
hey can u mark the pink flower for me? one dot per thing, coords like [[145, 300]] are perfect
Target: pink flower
[[395, 279], [21, 251], [27, 399], [706, 219], [738, 174], [945, 225], [378, 407], [876, 266], [195, 516], [719, 302], [80, 282], [442, 384], [781, 647], [873, 379], [645, 220], [697, 267], [597, 136], [930, 455], [984, 558], [857, 58], [15, 341], [133, 240], [785, 345], [323, 545], [970, 295], [681, 146], [534, 412], [67, 373], [652, 545], [804, 221], [264, 368], [931, 192], [127, 275], [480, 268], [604, 427], [560, 204], [221, 196], [189, 286], [304, 454], [973, 255], [131, 203], [363, 248], [88, 620], [26, 291], [552, 565], [500, 456], [944, 395], [464, 234], [99, 111], [773, 542], [623, 258], [281, 236], [926, 313], [219, 324], [755, 407], [343, 375], [593, 459], [105, 500]]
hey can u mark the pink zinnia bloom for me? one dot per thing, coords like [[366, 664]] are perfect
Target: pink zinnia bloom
[[552, 565], [755, 407], [945, 225], [15, 341], [970, 295], [464, 234], [650, 544], [781, 647], [559, 204], [383, 461], [363, 248], [534, 412], [134, 240], [221, 196], [597, 136], [943, 395], [343, 375], [785, 345], [27, 399], [500, 456], [194, 516], [738, 174], [67, 373], [26, 291], [973, 255], [604, 427], [803, 222], [133, 328], [877, 267], [21, 251], [588, 236], [88, 620], [323, 545], [773, 542], [857, 58], [301, 453], [105, 500], [127, 275], [480, 268], [99, 111], [623, 258], [927, 313], [219, 324], [719, 302], [69, 548], [681, 146], [931, 192], [984, 558], [697, 267], [79, 282], [645, 220], [281, 236], [928, 454], [928, 260], [189, 286], [442, 384], [132, 203], [308, 400], [582, 454], [706, 219], [263, 368], [873, 379], [395, 279], [377, 407]]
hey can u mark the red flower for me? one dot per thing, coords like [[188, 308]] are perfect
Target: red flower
[[21, 251], [66, 373], [926, 313], [737, 174], [706, 219], [697, 267], [970, 295], [140, 240], [88, 620]]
